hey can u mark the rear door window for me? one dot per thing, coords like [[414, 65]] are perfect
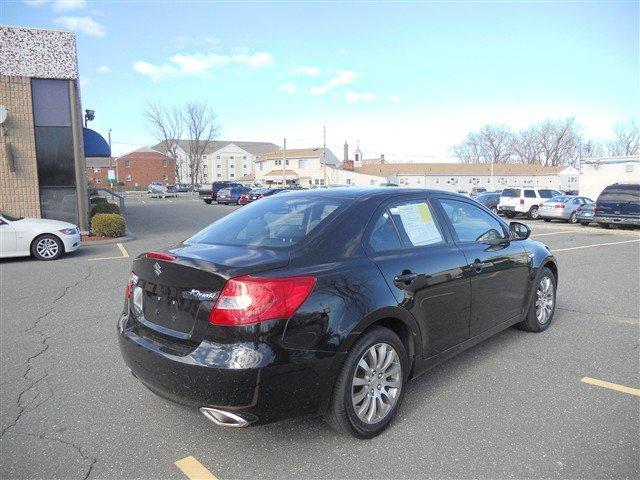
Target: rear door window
[[545, 193], [530, 194], [511, 192], [384, 236]]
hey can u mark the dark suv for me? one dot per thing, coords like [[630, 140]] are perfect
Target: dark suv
[[209, 193], [618, 204]]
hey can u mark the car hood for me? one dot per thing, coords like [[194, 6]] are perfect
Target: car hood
[[45, 223]]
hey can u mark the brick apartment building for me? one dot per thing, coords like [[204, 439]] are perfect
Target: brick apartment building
[[143, 166], [98, 172]]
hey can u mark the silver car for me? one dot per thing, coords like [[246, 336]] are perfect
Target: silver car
[[563, 207]]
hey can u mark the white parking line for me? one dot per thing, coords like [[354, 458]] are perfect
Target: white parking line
[[594, 245], [551, 233]]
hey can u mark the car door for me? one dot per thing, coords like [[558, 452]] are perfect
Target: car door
[[499, 269], [423, 268], [7, 238]]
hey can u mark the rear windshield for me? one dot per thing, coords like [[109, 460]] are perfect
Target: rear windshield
[[561, 199], [277, 221], [621, 193], [511, 192]]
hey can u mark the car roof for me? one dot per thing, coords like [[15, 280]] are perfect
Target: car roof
[[367, 192]]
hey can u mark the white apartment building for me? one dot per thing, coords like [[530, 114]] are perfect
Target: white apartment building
[[463, 177], [222, 160], [598, 173]]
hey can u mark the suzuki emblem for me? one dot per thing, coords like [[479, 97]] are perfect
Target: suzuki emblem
[[157, 268]]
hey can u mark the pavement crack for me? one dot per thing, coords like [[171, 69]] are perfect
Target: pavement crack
[[92, 460], [44, 338]]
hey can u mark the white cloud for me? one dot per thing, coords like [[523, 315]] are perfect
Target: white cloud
[[35, 3], [84, 81], [305, 70], [288, 87], [66, 5], [342, 51], [86, 25], [200, 64], [341, 78], [103, 69], [180, 42], [352, 97], [393, 98]]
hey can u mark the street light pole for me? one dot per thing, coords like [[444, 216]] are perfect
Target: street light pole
[[284, 164]]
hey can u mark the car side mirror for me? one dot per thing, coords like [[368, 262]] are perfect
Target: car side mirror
[[519, 231]]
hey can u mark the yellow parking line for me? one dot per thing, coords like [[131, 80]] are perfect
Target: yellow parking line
[[595, 245], [193, 469], [123, 254], [611, 386]]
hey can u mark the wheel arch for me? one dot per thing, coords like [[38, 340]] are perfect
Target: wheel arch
[[41, 234]]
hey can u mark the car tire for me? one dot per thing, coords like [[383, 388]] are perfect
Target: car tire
[[342, 414], [604, 225], [573, 218], [494, 210], [47, 247], [509, 214], [208, 202], [539, 319], [533, 213], [584, 224], [547, 219]]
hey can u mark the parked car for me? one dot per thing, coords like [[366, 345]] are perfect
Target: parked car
[[209, 193], [584, 213], [258, 193], [152, 186], [182, 188], [489, 200], [231, 195], [157, 190], [563, 207], [618, 204], [327, 301], [40, 237], [475, 191], [524, 200], [172, 191]]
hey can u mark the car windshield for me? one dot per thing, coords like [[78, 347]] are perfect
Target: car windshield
[[511, 192], [278, 221], [9, 216]]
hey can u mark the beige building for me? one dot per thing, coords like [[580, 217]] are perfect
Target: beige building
[[307, 167]]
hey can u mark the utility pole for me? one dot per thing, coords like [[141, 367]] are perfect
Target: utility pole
[[284, 164], [110, 157], [324, 148], [491, 178]]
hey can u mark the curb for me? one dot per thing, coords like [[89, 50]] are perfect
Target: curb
[[129, 236]]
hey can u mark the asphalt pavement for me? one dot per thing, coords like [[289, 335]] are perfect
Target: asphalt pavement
[[513, 406]]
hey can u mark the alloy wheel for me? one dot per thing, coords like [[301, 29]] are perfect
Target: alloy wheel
[[47, 248], [573, 218], [376, 383], [534, 213], [545, 298]]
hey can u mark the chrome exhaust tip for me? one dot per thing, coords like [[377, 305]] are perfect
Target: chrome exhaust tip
[[225, 419]]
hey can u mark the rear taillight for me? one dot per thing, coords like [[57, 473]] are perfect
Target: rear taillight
[[248, 299], [522, 201], [260, 196], [161, 256], [132, 282], [596, 210], [559, 205]]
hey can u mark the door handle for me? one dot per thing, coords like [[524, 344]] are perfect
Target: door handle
[[478, 265], [405, 279]]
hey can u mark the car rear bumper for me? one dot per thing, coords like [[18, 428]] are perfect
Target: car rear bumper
[[612, 219], [71, 242], [560, 214], [512, 208], [257, 381]]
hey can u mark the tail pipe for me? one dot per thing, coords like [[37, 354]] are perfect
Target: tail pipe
[[227, 419]]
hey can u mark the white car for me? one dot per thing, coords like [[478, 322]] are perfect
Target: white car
[[42, 238], [524, 201]]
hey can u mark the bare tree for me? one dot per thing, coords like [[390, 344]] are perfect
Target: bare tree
[[525, 148], [492, 144], [166, 125], [201, 127], [627, 140], [559, 142]]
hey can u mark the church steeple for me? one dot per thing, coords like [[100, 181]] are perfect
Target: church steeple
[[358, 156]]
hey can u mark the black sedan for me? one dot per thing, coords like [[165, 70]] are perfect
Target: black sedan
[[489, 200], [326, 302]]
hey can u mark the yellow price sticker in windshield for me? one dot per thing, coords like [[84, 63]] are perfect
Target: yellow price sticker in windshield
[[425, 213]]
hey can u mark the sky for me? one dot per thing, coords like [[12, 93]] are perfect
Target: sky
[[407, 79]]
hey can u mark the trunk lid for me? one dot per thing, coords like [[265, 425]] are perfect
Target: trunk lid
[[175, 297]]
